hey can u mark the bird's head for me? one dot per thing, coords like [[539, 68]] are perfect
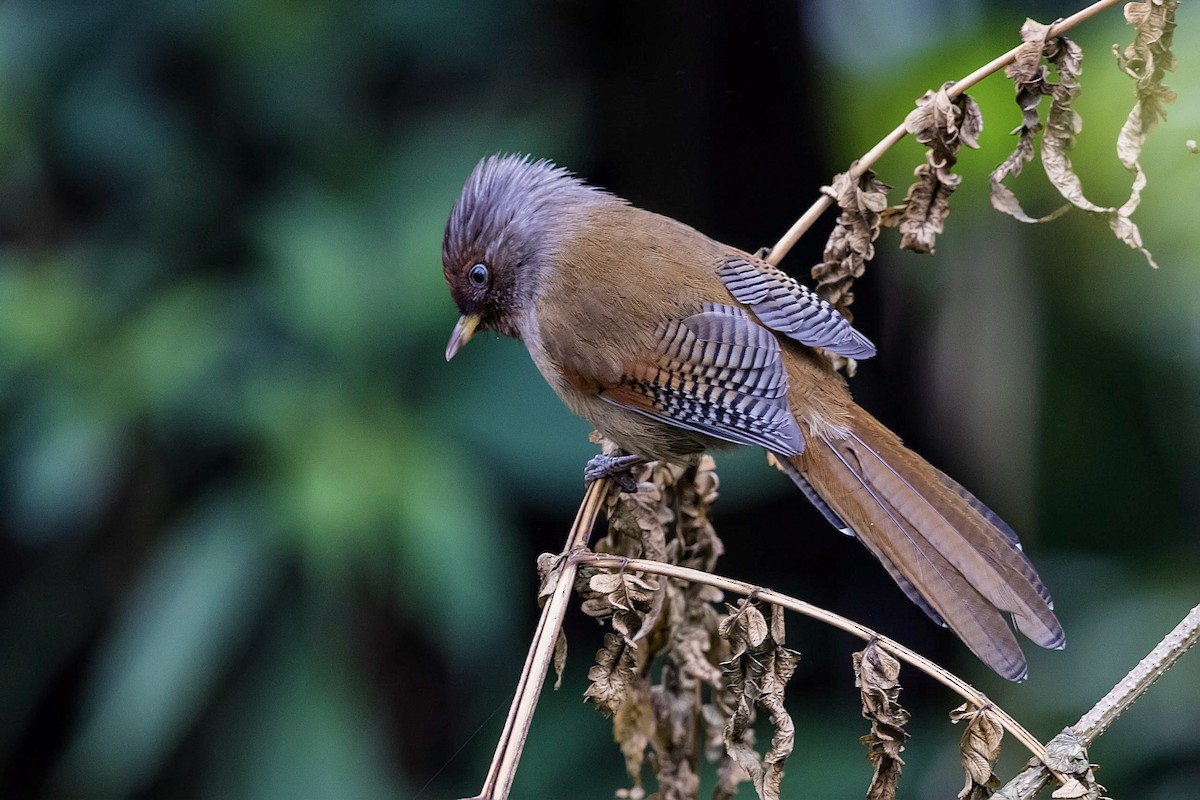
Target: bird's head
[[502, 236]]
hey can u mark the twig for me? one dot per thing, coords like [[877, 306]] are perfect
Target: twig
[[1140, 678], [968, 692], [541, 652], [814, 212], [1130, 688]]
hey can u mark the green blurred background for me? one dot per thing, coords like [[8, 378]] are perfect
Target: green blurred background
[[257, 540]]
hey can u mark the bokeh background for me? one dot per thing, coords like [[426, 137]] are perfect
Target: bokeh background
[[258, 540]]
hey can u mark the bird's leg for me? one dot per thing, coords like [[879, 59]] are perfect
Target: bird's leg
[[762, 253], [615, 467]]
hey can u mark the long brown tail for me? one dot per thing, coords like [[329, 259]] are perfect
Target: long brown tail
[[948, 551]]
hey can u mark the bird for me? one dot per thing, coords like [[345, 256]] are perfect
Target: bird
[[671, 344]]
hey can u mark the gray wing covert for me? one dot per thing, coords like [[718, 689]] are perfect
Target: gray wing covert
[[792, 309]]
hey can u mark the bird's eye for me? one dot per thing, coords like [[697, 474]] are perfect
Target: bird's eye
[[478, 276]]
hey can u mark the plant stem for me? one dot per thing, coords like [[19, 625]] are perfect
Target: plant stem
[[1140, 678], [1089, 727]]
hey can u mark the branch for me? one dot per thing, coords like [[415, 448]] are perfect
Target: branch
[[814, 212], [1089, 727]]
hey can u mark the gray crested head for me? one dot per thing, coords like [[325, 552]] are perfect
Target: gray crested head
[[511, 217]]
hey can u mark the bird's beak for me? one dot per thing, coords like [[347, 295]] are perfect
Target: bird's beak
[[462, 334]]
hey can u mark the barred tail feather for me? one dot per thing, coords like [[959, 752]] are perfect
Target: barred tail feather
[[950, 553]]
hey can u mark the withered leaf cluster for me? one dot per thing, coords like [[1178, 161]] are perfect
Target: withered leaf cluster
[[1145, 60], [852, 242], [1149, 56], [757, 671], [678, 677], [943, 124], [1031, 79], [979, 749], [1067, 755], [877, 676]]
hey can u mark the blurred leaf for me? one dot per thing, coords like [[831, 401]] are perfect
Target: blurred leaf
[[174, 637], [303, 727], [64, 467], [355, 481], [43, 311]]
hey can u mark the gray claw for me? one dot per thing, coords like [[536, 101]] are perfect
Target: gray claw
[[617, 468]]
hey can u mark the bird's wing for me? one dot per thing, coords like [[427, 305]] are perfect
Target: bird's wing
[[794, 310], [716, 372]]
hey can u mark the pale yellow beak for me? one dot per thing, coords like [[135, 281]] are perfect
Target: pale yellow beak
[[462, 334]]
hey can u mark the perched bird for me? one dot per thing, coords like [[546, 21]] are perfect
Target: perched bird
[[670, 343]]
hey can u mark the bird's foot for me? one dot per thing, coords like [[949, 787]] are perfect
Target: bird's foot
[[616, 468], [762, 253]]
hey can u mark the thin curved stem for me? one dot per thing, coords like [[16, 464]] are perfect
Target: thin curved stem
[[915, 659], [868, 159]]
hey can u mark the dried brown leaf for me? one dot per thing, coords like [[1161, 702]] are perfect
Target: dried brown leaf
[[781, 665], [549, 567], [1145, 60], [1149, 56], [597, 607], [876, 674], [633, 601], [637, 527], [697, 540], [560, 659], [756, 676], [1030, 78], [943, 124], [612, 674], [1026, 67], [605, 582], [1071, 790], [691, 643], [690, 629], [979, 749], [778, 631], [691, 624], [851, 243], [1063, 124], [637, 522], [922, 215], [666, 519], [745, 628], [1067, 755], [633, 727], [730, 774], [678, 715], [738, 743]]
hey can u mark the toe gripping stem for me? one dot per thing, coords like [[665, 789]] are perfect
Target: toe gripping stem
[[616, 468]]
